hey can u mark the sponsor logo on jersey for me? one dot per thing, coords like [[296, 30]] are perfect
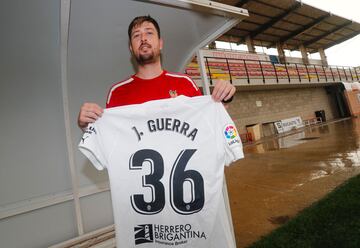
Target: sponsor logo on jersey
[[231, 134], [84, 138], [171, 235], [91, 130], [87, 133], [143, 234]]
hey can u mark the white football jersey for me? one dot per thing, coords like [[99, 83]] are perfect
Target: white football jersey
[[165, 161]]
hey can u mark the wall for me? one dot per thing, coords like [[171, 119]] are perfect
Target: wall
[[38, 146], [33, 154], [279, 104], [300, 61], [353, 99]]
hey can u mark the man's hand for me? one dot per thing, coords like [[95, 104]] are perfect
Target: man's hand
[[223, 91], [89, 113]]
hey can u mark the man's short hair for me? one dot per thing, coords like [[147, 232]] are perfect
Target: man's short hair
[[140, 20]]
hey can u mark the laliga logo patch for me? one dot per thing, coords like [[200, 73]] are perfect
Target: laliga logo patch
[[231, 134]]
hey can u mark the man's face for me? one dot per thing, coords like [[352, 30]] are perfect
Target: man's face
[[145, 43]]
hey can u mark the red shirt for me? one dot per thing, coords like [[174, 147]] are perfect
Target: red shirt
[[136, 90]]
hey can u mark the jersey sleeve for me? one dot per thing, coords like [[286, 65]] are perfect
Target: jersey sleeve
[[94, 146], [230, 137]]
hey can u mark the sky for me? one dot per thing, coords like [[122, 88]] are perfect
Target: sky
[[344, 54], [348, 52]]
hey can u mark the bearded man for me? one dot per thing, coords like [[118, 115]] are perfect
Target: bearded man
[[151, 81]]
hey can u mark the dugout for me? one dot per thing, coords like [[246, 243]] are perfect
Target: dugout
[[55, 55]]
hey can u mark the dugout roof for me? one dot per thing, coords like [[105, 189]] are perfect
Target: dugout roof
[[291, 22]]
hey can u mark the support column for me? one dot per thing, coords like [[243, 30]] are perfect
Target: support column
[[250, 44], [201, 63], [280, 50], [65, 8], [323, 57], [304, 54]]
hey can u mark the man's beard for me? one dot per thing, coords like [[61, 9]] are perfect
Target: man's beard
[[144, 59]]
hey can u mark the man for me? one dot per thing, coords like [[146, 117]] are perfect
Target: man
[[161, 218], [150, 82]]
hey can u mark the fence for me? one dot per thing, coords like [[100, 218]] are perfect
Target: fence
[[245, 71]]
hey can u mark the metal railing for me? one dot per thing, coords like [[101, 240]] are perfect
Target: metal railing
[[250, 70]]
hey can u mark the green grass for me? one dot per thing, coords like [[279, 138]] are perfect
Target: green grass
[[333, 222]]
